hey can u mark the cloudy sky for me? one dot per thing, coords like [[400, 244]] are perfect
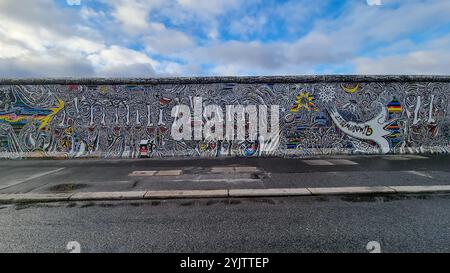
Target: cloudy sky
[[134, 38]]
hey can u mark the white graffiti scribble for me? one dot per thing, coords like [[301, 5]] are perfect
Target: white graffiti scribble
[[370, 130]]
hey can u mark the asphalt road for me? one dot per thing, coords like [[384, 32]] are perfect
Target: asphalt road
[[50, 176], [305, 224]]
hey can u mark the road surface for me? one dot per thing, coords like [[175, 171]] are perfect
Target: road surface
[[419, 223]]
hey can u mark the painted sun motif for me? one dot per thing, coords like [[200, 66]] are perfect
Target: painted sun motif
[[304, 100], [327, 93]]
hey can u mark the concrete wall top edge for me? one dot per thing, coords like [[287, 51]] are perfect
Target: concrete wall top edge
[[246, 79]]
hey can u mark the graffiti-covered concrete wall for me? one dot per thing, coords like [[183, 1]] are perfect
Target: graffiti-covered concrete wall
[[130, 118]]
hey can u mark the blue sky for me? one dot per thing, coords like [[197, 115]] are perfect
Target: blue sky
[[148, 38]]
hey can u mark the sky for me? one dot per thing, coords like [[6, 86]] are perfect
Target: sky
[[164, 38]]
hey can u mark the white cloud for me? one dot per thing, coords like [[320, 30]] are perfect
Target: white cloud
[[52, 64], [236, 57], [133, 15], [116, 56], [82, 45], [431, 57], [418, 62], [339, 42], [136, 16], [167, 41], [73, 2], [182, 37], [208, 7], [41, 41], [248, 25], [46, 41], [374, 2], [91, 14], [11, 50], [118, 59]]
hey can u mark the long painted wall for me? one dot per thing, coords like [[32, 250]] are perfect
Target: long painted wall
[[318, 115]]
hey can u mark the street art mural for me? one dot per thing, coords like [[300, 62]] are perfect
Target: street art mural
[[132, 121]]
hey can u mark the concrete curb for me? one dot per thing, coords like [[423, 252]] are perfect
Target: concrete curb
[[127, 195], [420, 189], [350, 190], [186, 194], [222, 193], [33, 197], [268, 192]]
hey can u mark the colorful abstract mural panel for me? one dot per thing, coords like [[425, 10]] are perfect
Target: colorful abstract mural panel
[[133, 119]]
